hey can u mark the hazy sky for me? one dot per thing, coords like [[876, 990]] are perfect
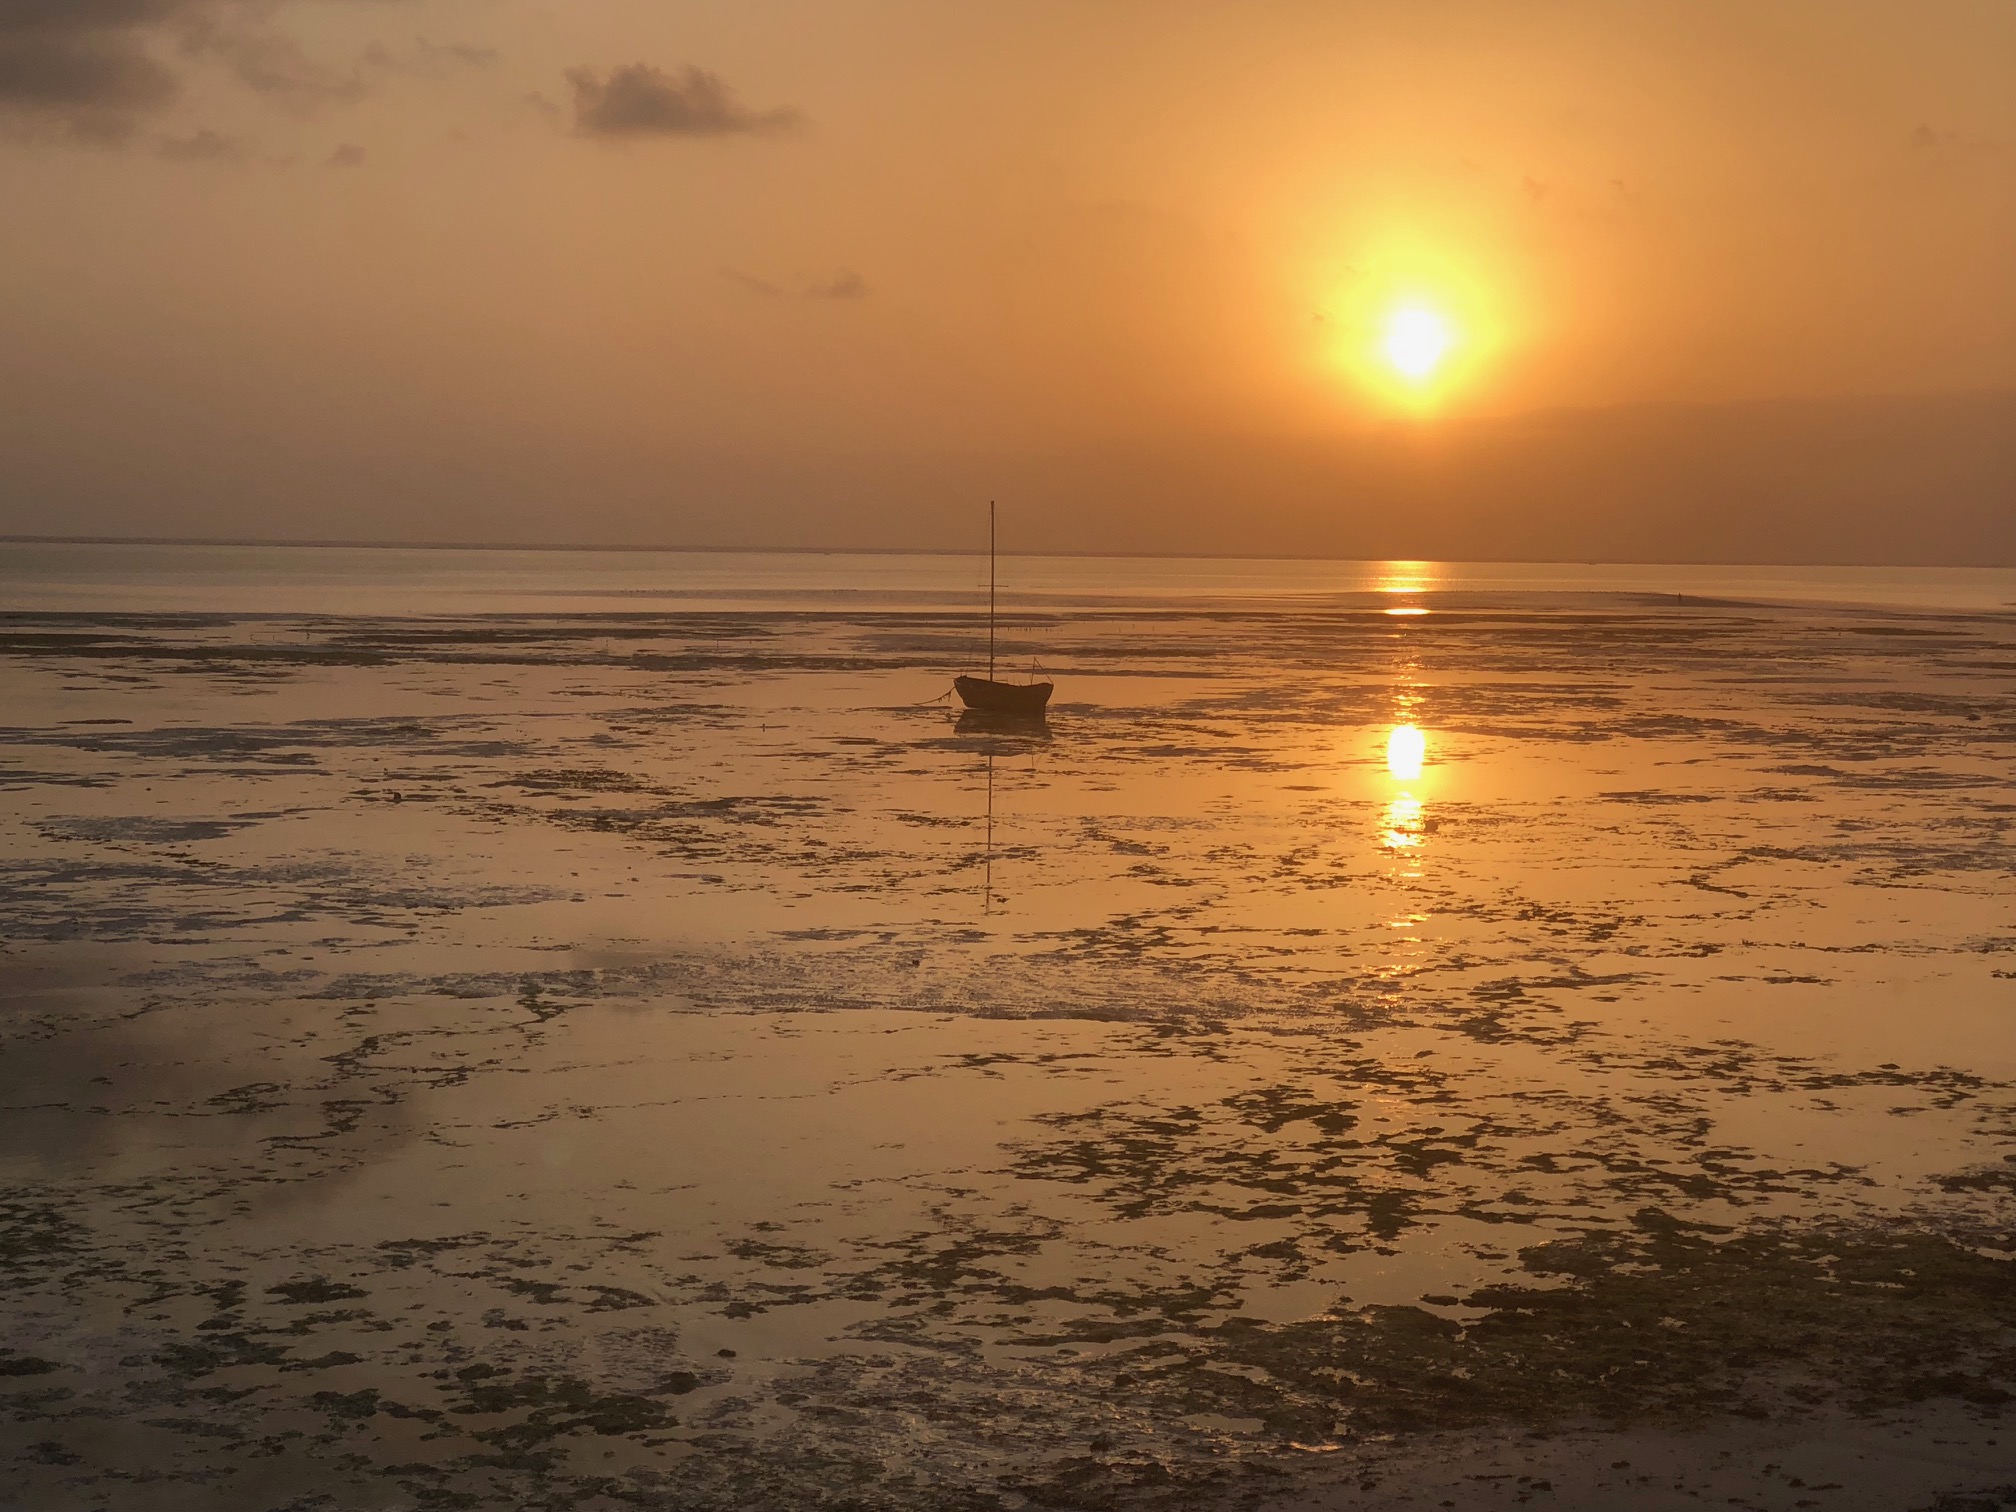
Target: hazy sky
[[1717, 279]]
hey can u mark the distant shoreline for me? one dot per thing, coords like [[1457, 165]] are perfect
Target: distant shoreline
[[946, 551]]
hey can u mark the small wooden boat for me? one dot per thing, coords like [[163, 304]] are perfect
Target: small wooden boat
[[985, 694]]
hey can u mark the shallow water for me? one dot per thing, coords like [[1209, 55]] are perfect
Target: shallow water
[[57, 576], [662, 1058]]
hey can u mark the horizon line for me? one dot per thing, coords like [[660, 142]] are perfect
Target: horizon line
[[948, 551]]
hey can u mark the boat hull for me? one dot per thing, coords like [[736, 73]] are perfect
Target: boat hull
[[1027, 699]]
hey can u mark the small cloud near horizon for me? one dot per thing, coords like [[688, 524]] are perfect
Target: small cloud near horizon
[[843, 285], [1931, 141], [846, 284], [640, 100], [349, 155], [430, 60], [202, 147]]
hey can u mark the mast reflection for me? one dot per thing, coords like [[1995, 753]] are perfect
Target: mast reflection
[[995, 734]]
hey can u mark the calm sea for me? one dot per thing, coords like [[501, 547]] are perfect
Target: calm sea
[[58, 577]]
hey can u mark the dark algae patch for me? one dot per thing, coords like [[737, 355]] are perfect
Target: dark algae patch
[[540, 1409], [315, 1289], [1664, 1323]]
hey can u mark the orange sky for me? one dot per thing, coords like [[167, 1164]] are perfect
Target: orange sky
[[1723, 280]]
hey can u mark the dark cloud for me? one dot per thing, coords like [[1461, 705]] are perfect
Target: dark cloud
[[80, 66], [93, 69], [638, 100], [349, 155], [80, 15]]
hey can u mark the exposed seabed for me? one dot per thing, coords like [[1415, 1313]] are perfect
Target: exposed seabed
[[653, 1060]]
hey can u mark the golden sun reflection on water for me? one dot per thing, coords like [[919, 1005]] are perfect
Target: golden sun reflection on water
[[1403, 822], [1405, 819], [1406, 749], [1405, 577]]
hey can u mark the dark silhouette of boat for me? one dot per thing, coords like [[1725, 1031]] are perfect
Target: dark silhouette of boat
[[985, 694]]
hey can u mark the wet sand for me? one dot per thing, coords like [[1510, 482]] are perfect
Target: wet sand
[[656, 1060]]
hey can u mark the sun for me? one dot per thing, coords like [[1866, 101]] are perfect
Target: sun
[[1414, 340], [1411, 337]]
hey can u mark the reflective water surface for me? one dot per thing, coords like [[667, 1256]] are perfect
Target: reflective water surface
[[57, 576], [668, 1059]]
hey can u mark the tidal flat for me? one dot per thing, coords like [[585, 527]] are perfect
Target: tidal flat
[[662, 1060]]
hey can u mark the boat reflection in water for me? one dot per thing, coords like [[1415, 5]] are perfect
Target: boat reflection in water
[[995, 735], [987, 867], [1011, 731]]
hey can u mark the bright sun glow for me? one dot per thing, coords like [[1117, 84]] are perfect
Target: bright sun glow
[[1405, 748], [1414, 334], [1415, 341]]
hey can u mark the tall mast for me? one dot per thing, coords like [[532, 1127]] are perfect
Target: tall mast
[[990, 590]]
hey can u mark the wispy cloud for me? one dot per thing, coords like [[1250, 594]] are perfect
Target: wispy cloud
[[845, 284], [755, 285], [202, 147], [273, 64], [429, 60], [639, 100]]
